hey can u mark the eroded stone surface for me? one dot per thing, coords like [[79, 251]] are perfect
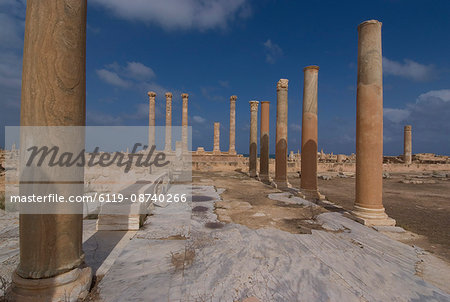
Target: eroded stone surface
[[216, 261]]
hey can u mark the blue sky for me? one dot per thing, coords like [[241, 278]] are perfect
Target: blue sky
[[217, 48]]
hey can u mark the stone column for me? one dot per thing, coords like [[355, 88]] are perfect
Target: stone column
[[216, 149], [281, 135], [308, 184], [253, 154], [168, 146], [264, 142], [369, 127], [151, 119], [184, 122], [407, 145], [53, 94], [232, 149]]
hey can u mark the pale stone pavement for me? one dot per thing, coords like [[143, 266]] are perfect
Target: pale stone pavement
[[184, 254]]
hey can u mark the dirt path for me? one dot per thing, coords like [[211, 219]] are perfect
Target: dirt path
[[245, 202]]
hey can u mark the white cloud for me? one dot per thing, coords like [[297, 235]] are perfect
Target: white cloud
[[409, 69], [198, 119], [179, 14], [443, 95], [125, 76], [101, 118], [429, 116], [112, 78], [273, 51], [141, 112], [395, 115], [139, 71]]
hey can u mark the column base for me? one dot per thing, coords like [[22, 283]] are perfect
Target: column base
[[232, 152], [311, 194], [281, 184], [264, 178], [215, 152], [71, 287], [253, 174], [372, 217]]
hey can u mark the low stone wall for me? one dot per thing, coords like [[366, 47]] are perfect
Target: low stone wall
[[230, 163]]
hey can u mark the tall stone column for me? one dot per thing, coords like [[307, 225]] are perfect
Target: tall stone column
[[308, 184], [264, 142], [281, 136], [369, 127], [53, 94], [184, 122], [407, 145], [253, 154], [232, 149], [168, 146], [151, 118], [216, 149]]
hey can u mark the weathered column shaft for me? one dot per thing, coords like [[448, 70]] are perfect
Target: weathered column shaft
[[253, 154], [232, 149], [53, 94], [151, 118], [369, 126], [184, 122], [168, 145], [264, 142], [309, 132], [281, 134], [407, 145], [216, 138]]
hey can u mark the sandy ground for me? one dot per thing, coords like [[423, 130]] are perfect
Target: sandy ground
[[246, 202], [423, 208]]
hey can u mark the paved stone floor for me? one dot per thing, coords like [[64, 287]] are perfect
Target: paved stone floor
[[184, 253]]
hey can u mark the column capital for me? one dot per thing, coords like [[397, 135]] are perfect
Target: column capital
[[313, 67], [151, 94], [282, 84], [408, 127], [184, 96], [233, 98], [254, 105], [265, 102], [375, 22], [168, 95]]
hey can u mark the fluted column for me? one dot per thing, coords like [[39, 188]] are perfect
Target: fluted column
[[53, 94], [151, 118], [369, 127], [232, 149], [407, 145], [308, 184], [253, 154], [216, 149], [264, 142], [281, 135], [184, 122], [168, 146]]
